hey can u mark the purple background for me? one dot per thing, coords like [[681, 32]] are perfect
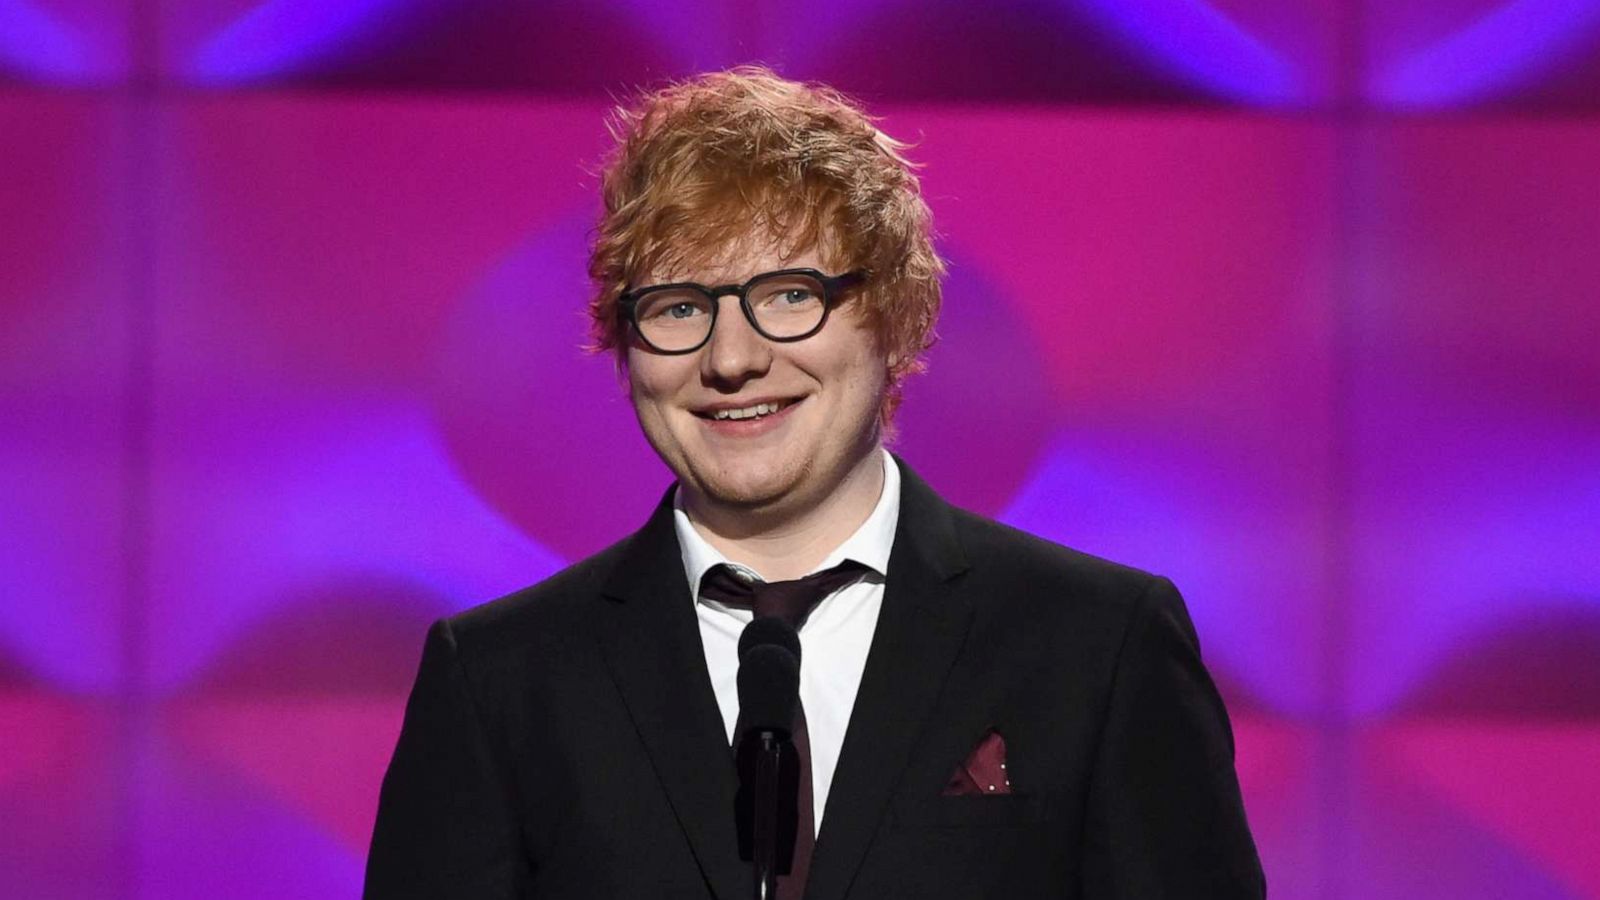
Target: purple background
[[1297, 303]]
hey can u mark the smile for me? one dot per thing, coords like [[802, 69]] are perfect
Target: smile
[[749, 412], [754, 411]]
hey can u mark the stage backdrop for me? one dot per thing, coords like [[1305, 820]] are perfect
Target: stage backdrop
[[1296, 303]]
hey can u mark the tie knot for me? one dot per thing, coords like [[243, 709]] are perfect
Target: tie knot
[[788, 600]]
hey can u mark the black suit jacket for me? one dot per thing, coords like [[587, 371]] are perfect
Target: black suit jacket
[[564, 741]]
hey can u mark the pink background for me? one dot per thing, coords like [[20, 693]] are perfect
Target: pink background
[[1298, 304]]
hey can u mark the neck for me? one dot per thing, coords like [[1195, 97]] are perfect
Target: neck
[[783, 545]]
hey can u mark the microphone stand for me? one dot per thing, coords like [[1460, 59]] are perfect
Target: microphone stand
[[764, 816]]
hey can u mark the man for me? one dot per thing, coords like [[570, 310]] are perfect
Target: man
[[982, 713]]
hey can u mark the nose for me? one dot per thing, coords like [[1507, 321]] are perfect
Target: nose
[[735, 353]]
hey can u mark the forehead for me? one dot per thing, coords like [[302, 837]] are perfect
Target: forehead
[[749, 250], [736, 269]]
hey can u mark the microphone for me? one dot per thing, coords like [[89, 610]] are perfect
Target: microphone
[[769, 676], [769, 687], [769, 630], [767, 807]]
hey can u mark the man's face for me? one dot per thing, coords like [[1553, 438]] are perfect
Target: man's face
[[828, 389]]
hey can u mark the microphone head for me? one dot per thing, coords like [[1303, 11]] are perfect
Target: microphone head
[[769, 688], [769, 630]]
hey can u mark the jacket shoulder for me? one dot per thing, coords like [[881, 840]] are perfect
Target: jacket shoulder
[[1000, 554], [557, 607]]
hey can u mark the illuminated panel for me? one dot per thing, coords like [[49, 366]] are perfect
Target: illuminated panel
[[281, 35], [312, 255], [1431, 54], [1167, 51], [1476, 810], [61, 793], [205, 833], [310, 516], [1186, 51], [1476, 394], [438, 44], [66, 42], [64, 371], [64, 519], [1203, 44], [1477, 390]]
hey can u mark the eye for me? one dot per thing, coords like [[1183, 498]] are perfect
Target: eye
[[797, 295], [787, 294], [671, 307]]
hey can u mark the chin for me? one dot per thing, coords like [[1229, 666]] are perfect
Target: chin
[[753, 489]]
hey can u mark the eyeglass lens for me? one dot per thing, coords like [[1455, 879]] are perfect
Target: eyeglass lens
[[784, 306]]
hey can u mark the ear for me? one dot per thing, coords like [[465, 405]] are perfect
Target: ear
[[896, 365], [891, 356]]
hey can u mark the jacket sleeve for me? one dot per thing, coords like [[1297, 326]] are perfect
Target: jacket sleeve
[[1165, 818], [445, 824]]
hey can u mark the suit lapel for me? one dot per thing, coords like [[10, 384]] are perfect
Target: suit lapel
[[651, 641], [920, 630]]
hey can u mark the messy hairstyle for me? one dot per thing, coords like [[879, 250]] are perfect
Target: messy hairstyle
[[704, 167]]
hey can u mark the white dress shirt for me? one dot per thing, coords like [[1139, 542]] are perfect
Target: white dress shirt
[[834, 639]]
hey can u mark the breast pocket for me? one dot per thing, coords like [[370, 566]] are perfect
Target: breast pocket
[[981, 846], [976, 811]]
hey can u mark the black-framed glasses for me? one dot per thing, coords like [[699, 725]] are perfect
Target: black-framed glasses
[[786, 305]]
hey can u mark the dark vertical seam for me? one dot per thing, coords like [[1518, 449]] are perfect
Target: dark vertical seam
[[1337, 736], [138, 103]]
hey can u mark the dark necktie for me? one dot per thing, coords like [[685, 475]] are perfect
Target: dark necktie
[[790, 601]]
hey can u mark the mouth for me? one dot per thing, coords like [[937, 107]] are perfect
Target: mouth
[[758, 410]]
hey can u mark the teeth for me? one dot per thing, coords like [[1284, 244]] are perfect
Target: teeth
[[749, 412]]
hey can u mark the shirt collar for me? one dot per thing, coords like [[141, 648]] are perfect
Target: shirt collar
[[869, 545]]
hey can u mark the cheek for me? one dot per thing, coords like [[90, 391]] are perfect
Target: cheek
[[648, 378], [653, 386], [868, 366], [643, 393]]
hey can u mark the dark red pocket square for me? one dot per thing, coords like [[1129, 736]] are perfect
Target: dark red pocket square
[[984, 771]]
